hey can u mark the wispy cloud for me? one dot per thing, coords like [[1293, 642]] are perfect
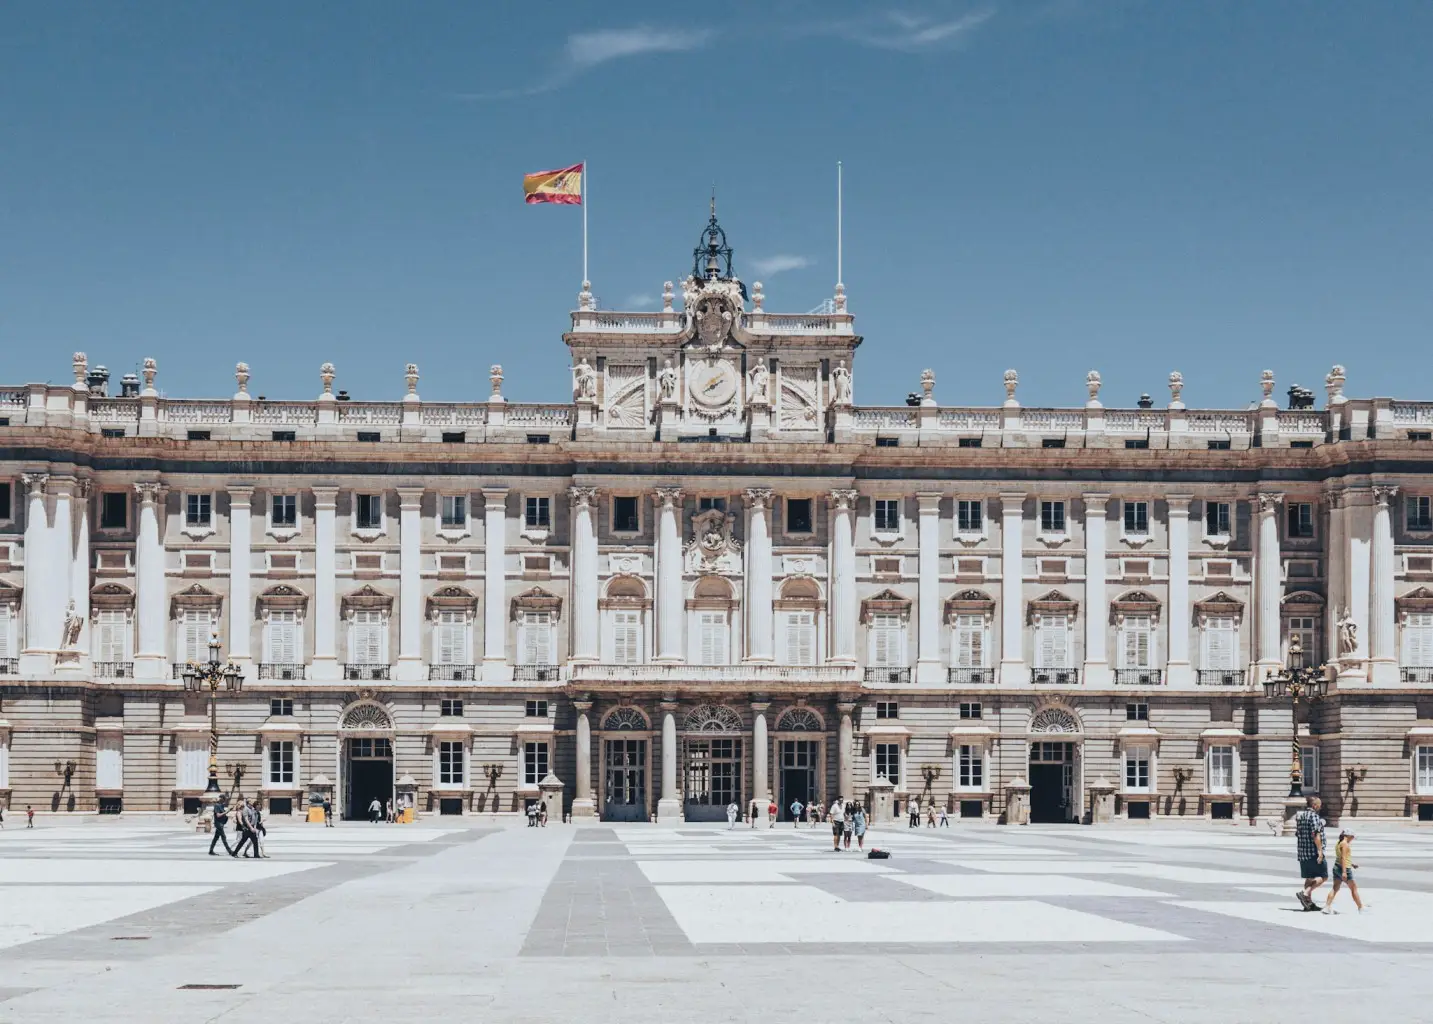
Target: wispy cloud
[[779, 264], [913, 33], [584, 51], [640, 301]]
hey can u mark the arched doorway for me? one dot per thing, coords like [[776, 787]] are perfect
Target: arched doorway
[[625, 734], [1056, 789], [711, 763], [800, 759], [366, 762]]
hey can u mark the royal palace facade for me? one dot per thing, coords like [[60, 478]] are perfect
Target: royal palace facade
[[711, 577]]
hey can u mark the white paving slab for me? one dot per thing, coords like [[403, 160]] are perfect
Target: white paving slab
[[1170, 872], [975, 886], [28, 913], [1395, 915], [753, 871], [210, 870]]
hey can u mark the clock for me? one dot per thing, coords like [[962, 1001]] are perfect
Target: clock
[[712, 383]]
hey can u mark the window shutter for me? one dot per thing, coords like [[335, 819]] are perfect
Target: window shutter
[[626, 637], [970, 641], [800, 638], [1219, 643], [365, 637], [885, 640], [712, 629], [1136, 646], [537, 637], [5, 630], [282, 637], [1418, 640], [194, 636], [1054, 649], [450, 638]]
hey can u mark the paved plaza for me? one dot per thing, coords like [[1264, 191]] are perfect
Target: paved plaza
[[127, 922]]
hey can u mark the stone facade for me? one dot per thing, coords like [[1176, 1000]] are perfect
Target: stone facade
[[709, 577]]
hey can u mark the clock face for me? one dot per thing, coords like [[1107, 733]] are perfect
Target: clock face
[[713, 384]]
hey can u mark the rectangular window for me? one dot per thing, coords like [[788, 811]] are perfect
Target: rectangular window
[[450, 763], [886, 709], [1418, 640], [450, 638], [1136, 518], [283, 510], [711, 637], [1220, 644], [1137, 712], [198, 510], [1306, 629], [537, 646], [285, 435], [710, 504], [537, 513], [627, 637], [281, 637], [1420, 515], [1216, 518], [109, 762], [1052, 642], [800, 638], [798, 515], [1309, 768], [1423, 777], [969, 641], [972, 767], [7, 503], [888, 762], [886, 634], [1219, 446], [1137, 769], [536, 709], [534, 763], [971, 709], [1137, 443], [1136, 642], [1052, 442], [370, 436], [450, 708], [1301, 519], [368, 511], [1220, 769], [625, 514], [281, 763], [454, 511], [1052, 517], [888, 515], [112, 636], [888, 442], [969, 516], [366, 635], [281, 707], [110, 431], [968, 442], [194, 628], [114, 510]]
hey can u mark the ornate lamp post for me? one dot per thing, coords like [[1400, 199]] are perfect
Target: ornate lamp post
[[198, 677], [1298, 682]]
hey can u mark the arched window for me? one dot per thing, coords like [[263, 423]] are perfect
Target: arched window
[[797, 612], [799, 719], [712, 718], [624, 609], [625, 719], [711, 608]]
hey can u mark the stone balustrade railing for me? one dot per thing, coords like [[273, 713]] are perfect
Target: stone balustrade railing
[[740, 675]]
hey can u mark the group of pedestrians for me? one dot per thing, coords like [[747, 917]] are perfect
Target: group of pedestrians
[[29, 816], [248, 821], [1312, 843], [847, 818], [933, 815], [380, 811]]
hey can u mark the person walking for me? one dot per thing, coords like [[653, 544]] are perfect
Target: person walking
[[1309, 839], [796, 808], [261, 834], [837, 817], [327, 812], [930, 815], [29, 816], [1343, 866], [913, 811], [944, 819], [755, 811], [732, 813], [221, 818], [771, 813], [859, 821], [848, 823], [541, 814], [388, 811], [2, 815], [248, 837], [374, 810]]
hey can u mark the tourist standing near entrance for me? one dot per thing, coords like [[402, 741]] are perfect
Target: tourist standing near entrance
[[29, 816], [796, 809], [375, 810], [1343, 866], [848, 823], [771, 813], [327, 812], [732, 813], [837, 817], [858, 820], [913, 812], [1309, 837], [221, 818], [755, 811]]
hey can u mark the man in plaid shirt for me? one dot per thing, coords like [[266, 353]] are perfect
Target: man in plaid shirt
[[1309, 834]]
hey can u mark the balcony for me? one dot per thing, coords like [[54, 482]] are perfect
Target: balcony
[[9, 666], [887, 674], [280, 670], [455, 673], [109, 669], [1055, 676], [1219, 677], [1138, 677], [366, 672], [970, 676], [1408, 673], [715, 675], [536, 673]]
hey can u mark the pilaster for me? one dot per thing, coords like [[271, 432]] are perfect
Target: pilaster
[[928, 666]]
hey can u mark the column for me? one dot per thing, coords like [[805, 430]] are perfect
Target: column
[[1383, 667], [241, 612], [495, 631], [38, 657], [62, 554], [761, 645], [669, 574], [80, 568], [410, 585], [843, 577], [1337, 599], [1269, 584], [845, 741], [151, 662], [1012, 577], [1358, 526], [1097, 609], [760, 790], [586, 642], [668, 807], [325, 588], [582, 805], [928, 666], [1178, 671]]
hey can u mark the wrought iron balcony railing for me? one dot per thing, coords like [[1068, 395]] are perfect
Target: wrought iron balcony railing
[[1138, 677], [1219, 677], [455, 673], [970, 676], [281, 670], [536, 673], [114, 669], [366, 672], [887, 674], [1057, 676]]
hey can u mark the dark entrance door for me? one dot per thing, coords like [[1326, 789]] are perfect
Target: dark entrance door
[[798, 775], [1052, 776], [367, 775], [712, 778], [624, 795]]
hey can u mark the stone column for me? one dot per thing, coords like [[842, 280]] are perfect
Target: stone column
[[62, 554], [586, 641], [669, 808], [1012, 575], [582, 805], [410, 585], [41, 642], [670, 616], [1269, 584], [151, 661], [928, 666], [80, 568], [845, 741], [325, 584], [1337, 585], [495, 632], [241, 611], [1178, 670], [1358, 526], [843, 577], [1383, 666], [761, 645], [760, 755], [1097, 609]]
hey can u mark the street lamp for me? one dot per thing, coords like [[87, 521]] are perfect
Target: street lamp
[[199, 676], [1296, 681]]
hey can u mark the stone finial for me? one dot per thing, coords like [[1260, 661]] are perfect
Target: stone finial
[[495, 374], [81, 364], [410, 377], [1012, 381], [149, 369], [241, 375], [1334, 384], [666, 296], [1092, 385], [927, 387], [584, 297], [1176, 389], [326, 374], [1266, 381], [840, 297], [758, 297]]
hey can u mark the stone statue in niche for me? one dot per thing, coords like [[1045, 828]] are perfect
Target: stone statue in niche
[[667, 382], [584, 377], [841, 383], [759, 377], [73, 624], [1347, 634]]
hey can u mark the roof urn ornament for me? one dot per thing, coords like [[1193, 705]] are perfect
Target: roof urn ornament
[[326, 374], [666, 296], [758, 297], [149, 370], [927, 387], [495, 375], [1012, 381], [1266, 381], [1176, 389], [1334, 384], [80, 363], [241, 377], [410, 377], [1092, 385]]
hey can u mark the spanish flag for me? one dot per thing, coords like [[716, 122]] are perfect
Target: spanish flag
[[561, 186]]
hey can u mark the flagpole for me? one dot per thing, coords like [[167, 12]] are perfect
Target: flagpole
[[838, 222], [585, 184]]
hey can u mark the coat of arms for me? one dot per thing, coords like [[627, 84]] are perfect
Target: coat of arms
[[713, 549]]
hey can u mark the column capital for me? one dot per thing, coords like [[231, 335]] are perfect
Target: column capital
[[240, 494], [63, 485], [35, 482], [1383, 494], [758, 498], [1095, 501], [846, 707], [150, 492], [409, 497], [1269, 502], [1335, 499], [668, 704], [495, 498], [843, 499], [582, 706], [667, 497], [1178, 503], [928, 502], [1012, 503], [84, 487], [325, 495], [760, 706], [583, 497]]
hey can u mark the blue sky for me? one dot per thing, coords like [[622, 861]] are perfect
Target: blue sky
[[1056, 186]]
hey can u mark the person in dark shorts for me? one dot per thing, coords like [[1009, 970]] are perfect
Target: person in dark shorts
[[838, 823], [1309, 836]]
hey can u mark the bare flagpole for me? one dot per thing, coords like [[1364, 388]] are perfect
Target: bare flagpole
[[839, 278], [585, 183]]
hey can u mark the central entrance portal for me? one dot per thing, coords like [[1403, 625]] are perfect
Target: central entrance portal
[[712, 778], [1052, 783], [624, 795], [367, 775], [798, 760]]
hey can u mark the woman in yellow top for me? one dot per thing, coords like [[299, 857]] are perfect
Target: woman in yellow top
[[1343, 866]]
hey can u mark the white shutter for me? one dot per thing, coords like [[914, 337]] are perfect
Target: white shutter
[[111, 636], [281, 635], [1424, 779], [1219, 644], [711, 627], [885, 640], [537, 638], [1418, 640], [4, 761], [1053, 650], [192, 769], [800, 638], [970, 641], [365, 637], [627, 637], [194, 632], [6, 620], [1221, 769], [1135, 650], [450, 638], [109, 763]]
